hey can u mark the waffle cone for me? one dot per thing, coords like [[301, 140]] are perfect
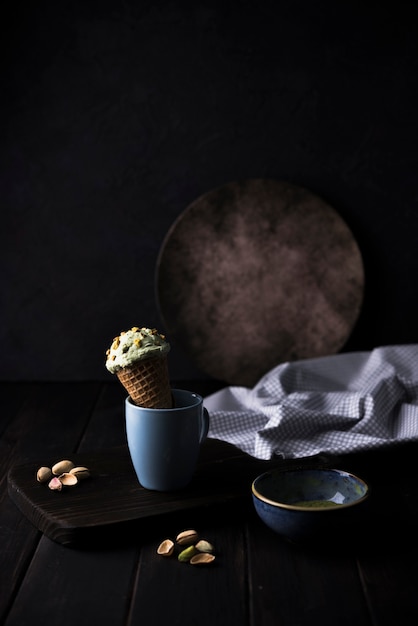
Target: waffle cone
[[148, 384]]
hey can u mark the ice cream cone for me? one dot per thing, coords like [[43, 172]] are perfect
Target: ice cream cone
[[139, 359], [147, 382]]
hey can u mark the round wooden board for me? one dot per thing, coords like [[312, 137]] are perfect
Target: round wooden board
[[256, 273]]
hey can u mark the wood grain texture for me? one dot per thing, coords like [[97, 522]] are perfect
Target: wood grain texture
[[112, 496], [257, 579], [203, 595], [256, 273], [37, 421], [298, 602]]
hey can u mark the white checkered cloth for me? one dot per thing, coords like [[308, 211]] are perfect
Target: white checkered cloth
[[335, 404]]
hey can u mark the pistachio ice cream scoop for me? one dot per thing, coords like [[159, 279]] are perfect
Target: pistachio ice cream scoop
[[139, 359]]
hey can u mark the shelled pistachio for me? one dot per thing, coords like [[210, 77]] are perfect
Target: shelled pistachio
[[192, 549], [187, 554], [63, 473], [55, 484], [204, 546]]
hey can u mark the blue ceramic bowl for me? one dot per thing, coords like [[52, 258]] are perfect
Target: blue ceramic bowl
[[305, 503]]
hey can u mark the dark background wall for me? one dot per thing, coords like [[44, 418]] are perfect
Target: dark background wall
[[117, 115]]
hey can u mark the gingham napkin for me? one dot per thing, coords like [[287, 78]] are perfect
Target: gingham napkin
[[335, 404]]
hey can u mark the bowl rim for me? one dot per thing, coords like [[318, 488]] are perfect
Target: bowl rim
[[294, 507]]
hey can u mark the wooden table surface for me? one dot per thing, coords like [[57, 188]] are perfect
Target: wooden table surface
[[365, 577]]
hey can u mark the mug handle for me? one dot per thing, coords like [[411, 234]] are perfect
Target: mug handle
[[204, 428]]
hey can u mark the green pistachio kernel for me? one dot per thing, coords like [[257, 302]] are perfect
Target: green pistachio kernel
[[187, 554]]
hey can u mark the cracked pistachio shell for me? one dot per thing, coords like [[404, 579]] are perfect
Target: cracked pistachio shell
[[203, 558], [80, 472], [187, 554], [186, 537], [61, 467], [68, 479], [166, 547], [43, 474]]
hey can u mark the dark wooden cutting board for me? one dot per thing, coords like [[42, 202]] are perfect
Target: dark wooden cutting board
[[113, 498]]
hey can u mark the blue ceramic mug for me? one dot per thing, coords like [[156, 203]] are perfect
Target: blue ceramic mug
[[164, 444]]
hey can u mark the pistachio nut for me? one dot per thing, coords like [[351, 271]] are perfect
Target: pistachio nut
[[202, 558], [187, 554], [43, 474], [204, 546], [166, 547], [61, 467], [186, 537], [80, 472], [68, 479], [55, 484]]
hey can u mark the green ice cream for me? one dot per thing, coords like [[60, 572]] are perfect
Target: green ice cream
[[135, 345]]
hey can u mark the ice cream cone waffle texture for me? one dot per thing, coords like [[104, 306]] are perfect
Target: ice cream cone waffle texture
[[147, 382], [139, 358]]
